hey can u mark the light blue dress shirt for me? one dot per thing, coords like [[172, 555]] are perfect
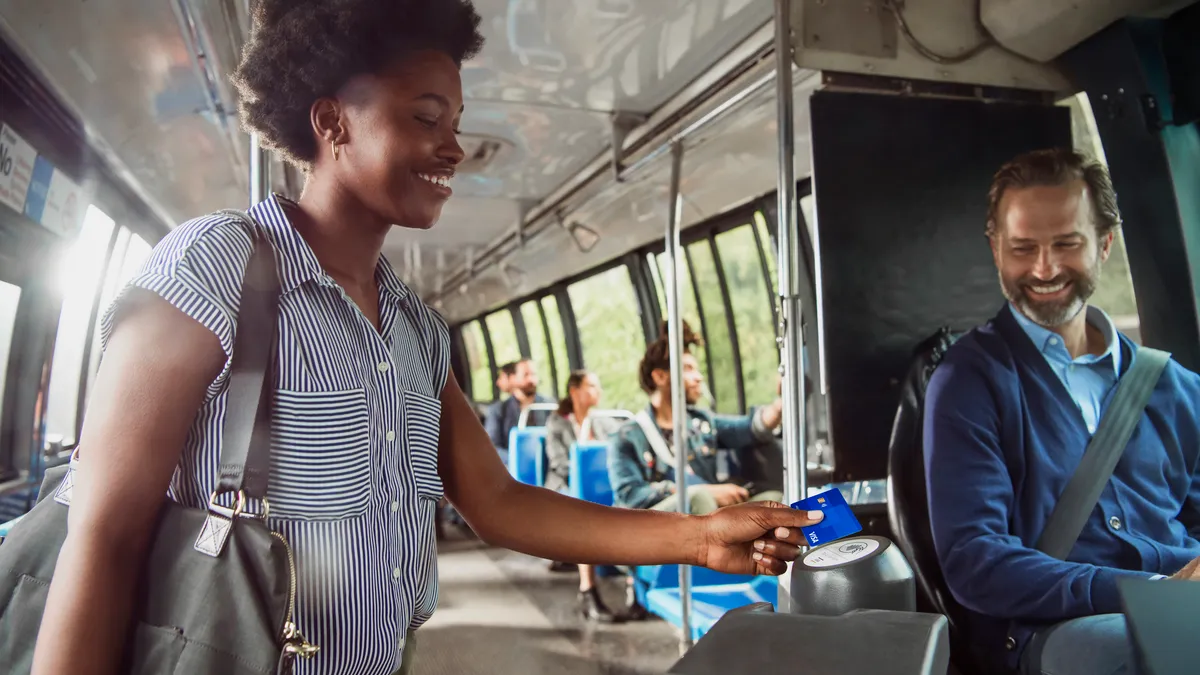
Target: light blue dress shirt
[[1089, 378]]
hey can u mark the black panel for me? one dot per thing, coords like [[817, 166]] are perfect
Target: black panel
[[901, 194]]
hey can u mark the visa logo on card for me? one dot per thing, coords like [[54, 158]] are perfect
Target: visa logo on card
[[839, 520]]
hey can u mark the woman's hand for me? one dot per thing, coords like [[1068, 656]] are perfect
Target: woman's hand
[[754, 538]]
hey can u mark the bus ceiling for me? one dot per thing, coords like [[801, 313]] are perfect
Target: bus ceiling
[[544, 193]]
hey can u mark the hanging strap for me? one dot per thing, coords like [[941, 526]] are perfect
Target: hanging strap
[[1102, 454], [246, 440]]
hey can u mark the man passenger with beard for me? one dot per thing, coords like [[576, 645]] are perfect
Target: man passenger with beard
[[1008, 415], [522, 381]]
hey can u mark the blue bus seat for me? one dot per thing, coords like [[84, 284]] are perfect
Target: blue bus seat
[[711, 602], [588, 479], [526, 447]]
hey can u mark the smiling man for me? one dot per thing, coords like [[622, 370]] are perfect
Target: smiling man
[[1009, 414]]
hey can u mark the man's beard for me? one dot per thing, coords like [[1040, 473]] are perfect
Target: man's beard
[[1052, 313]]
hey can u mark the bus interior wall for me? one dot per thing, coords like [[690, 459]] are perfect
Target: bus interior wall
[[901, 195], [1155, 167]]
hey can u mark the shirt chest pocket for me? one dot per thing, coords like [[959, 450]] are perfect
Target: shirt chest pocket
[[320, 455], [422, 420]]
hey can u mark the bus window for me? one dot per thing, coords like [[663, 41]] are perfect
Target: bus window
[[723, 376], [477, 361], [691, 313], [1114, 293], [558, 341], [10, 297], [539, 348], [504, 337], [128, 255], [610, 333], [79, 279], [750, 301]]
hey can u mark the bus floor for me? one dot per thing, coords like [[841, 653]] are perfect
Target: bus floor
[[503, 612]]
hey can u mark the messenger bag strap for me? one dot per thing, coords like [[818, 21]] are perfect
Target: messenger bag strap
[[1103, 452], [246, 440]]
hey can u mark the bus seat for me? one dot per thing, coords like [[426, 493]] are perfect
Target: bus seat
[[908, 507], [588, 479], [526, 448], [710, 602]]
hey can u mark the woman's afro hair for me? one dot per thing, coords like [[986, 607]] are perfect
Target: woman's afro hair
[[304, 50]]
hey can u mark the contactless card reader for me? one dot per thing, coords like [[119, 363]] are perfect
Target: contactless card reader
[[858, 572]]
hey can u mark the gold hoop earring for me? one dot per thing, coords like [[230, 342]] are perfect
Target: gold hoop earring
[[335, 150]]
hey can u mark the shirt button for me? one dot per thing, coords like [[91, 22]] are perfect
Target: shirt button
[[1053, 341], [391, 435], [383, 366], [395, 506], [1114, 523], [1010, 644], [1091, 428], [396, 573]]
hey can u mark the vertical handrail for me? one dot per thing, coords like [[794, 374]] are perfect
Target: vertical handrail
[[791, 338], [795, 464], [260, 160], [678, 395]]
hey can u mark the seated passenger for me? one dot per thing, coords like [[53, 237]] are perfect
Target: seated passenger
[[502, 376], [503, 418], [564, 429], [641, 458], [1008, 415]]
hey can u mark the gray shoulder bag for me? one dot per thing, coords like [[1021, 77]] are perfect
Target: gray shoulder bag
[[218, 588], [1102, 454]]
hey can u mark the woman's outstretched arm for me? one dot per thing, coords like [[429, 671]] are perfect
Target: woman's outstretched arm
[[543, 523]]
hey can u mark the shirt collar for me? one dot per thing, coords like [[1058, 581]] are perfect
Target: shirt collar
[[1050, 344], [297, 262]]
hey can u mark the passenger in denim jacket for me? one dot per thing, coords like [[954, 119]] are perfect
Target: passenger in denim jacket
[[717, 445]]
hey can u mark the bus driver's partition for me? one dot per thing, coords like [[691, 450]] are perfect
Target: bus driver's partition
[[906, 135]]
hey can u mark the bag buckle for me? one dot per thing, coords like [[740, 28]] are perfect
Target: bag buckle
[[218, 522]]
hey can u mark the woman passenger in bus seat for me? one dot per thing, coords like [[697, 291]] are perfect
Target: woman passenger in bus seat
[[565, 428], [370, 428]]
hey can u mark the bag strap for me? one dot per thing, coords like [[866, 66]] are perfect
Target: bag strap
[[246, 438], [1083, 491], [654, 437]]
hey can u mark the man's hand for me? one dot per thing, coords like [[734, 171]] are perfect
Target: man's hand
[[728, 494], [1190, 572], [758, 538]]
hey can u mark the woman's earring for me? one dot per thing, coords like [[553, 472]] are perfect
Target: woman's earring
[[335, 150]]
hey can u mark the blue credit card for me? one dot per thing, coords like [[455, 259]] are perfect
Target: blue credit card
[[839, 520]]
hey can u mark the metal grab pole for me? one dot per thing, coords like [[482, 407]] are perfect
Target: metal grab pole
[[795, 457], [678, 395], [260, 171], [260, 159]]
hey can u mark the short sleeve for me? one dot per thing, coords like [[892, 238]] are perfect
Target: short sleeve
[[198, 268], [439, 347]]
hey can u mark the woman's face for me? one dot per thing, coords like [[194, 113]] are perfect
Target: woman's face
[[587, 394], [398, 147]]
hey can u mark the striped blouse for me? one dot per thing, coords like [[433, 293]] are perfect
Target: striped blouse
[[353, 481]]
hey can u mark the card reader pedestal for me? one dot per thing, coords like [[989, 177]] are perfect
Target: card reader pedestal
[[862, 572], [852, 613]]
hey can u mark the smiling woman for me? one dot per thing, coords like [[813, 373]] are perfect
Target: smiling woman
[[368, 428]]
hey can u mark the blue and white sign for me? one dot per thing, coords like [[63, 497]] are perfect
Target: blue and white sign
[[39, 188]]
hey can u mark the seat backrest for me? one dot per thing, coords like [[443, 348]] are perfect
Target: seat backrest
[[588, 479], [525, 448], [908, 507]]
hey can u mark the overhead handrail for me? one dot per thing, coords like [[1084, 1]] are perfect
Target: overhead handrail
[[532, 407]]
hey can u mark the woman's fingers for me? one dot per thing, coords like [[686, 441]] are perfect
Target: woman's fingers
[[768, 564], [775, 548]]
